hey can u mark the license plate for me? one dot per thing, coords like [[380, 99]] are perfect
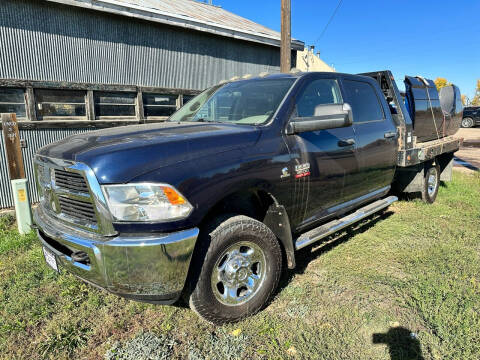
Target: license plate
[[50, 259]]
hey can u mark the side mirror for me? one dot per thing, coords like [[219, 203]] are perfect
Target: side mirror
[[325, 117]]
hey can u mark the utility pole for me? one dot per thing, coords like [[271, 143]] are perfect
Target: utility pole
[[285, 47]]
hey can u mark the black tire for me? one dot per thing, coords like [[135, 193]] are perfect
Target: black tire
[[431, 183], [242, 232], [467, 122]]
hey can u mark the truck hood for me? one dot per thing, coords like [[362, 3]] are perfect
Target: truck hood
[[120, 154]]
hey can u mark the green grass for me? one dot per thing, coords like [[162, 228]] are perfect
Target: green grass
[[403, 285]]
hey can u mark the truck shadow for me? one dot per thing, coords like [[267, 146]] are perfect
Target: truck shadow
[[463, 163], [402, 343]]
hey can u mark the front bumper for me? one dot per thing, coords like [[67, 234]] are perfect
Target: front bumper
[[150, 267]]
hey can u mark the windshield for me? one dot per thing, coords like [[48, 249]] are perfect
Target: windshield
[[251, 102]]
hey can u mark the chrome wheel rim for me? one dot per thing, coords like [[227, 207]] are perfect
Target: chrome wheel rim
[[238, 273], [432, 182], [466, 123]]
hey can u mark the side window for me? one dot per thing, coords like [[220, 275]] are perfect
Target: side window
[[318, 92], [364, 101]]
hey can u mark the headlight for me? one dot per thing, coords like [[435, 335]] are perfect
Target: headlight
[[146, 202]]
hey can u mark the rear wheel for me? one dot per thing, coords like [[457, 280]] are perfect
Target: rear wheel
[[431, 183], [239, 273], [467, 122]]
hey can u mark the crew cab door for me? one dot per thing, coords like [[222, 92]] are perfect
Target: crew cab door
[[323, 160], [376, 136]]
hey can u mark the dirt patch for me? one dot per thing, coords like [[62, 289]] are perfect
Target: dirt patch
[[467, 159]]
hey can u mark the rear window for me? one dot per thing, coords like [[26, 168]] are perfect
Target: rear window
[[364, 101]]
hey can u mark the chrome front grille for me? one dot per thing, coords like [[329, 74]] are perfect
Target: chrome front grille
[[70, 181], [77, 209], [70, 192]]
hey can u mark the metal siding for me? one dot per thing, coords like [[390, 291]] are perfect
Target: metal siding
[[48, 41], [35, 140]]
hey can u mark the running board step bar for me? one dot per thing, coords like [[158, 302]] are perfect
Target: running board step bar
[[336, 225]]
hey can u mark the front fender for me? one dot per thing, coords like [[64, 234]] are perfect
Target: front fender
[[206, 181]]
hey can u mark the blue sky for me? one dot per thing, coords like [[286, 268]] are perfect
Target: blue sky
[[409, 37]]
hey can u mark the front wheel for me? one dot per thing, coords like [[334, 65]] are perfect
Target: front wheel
[[467, 122], [431, 183], [239, 273]]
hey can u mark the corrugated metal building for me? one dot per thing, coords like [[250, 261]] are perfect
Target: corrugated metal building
[[73, 65]]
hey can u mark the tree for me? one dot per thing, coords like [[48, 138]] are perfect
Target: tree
[[465, 100], [441, 82], [476, 98]]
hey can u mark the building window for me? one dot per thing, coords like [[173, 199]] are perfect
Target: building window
[[187, 98], [159, 105], [54, 104], [114, 104], [13, 101]]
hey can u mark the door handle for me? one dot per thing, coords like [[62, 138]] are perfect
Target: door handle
[[390, 134], [346, 142]]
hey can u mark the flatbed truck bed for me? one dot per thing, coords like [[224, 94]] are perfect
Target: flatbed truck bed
[[428, 150], [415, 157]]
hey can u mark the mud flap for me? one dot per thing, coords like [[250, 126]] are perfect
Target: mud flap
[[410, 179], [277, 220]]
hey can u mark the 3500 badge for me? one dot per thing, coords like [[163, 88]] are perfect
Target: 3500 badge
[[302, 170]]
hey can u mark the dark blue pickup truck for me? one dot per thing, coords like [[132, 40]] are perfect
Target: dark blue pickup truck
[[212, 204]]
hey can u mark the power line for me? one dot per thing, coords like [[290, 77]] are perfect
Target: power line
[[330, 20]]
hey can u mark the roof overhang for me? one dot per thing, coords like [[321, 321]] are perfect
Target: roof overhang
[[155, 15]]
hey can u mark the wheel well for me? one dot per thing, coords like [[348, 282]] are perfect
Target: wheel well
[[254, 203], [259, 205], [251, 202]]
